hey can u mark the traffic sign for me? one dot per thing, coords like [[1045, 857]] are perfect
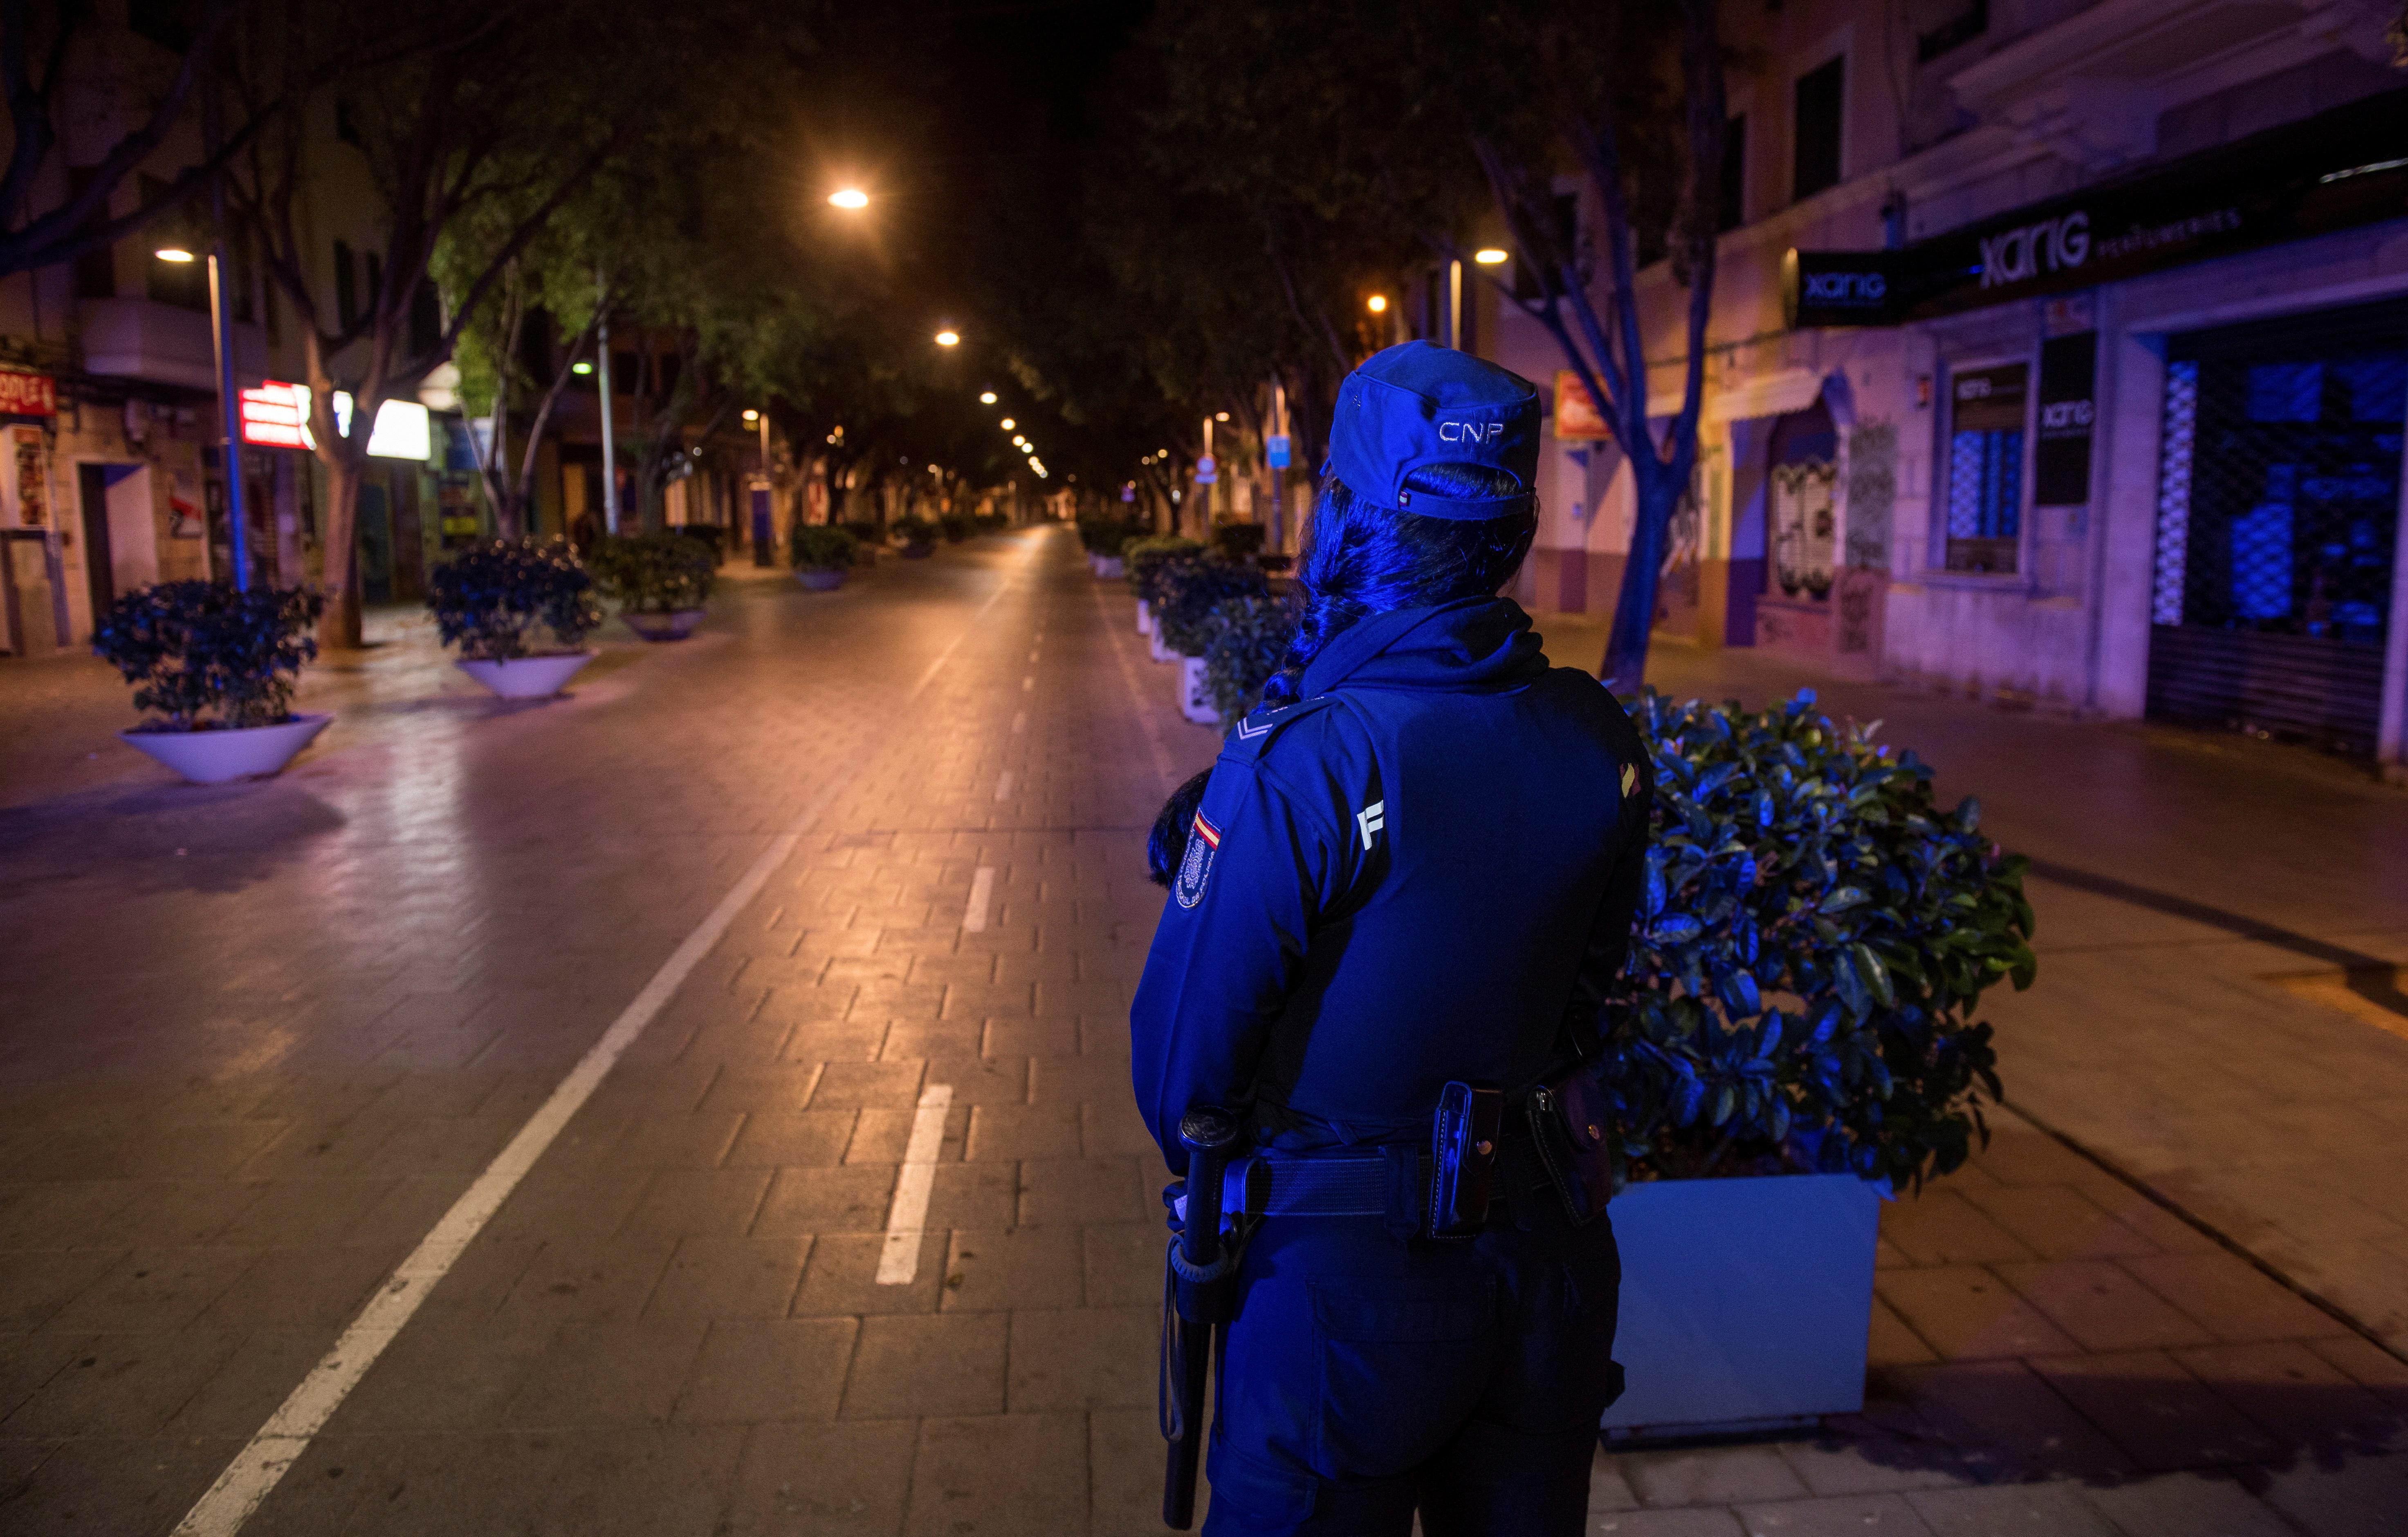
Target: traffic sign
[[1275, 450], [1207, 472]]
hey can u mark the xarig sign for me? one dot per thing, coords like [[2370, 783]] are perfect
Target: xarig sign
[[2340, 168]]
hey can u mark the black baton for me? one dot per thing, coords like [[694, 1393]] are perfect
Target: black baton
[[1200, 1276]]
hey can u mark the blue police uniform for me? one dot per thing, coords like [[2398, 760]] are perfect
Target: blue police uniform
[[1422, 873]]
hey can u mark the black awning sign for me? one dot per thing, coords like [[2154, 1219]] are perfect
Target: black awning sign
[[2337, 170], [2068, 372]]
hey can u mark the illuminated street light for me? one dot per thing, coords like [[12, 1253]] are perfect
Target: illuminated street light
[[987, 399], [751, 416], [1379, 303], [851, 197], [581, 367], [1488, 256], [1007, 423], [230, 440], [174, 253], [948, 338], [1220, 416]]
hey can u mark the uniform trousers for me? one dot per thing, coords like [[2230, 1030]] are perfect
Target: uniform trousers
[[1368, 1377]]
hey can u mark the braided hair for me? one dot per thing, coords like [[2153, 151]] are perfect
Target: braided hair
[[1360, 559]]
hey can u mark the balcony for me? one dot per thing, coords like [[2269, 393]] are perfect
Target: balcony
[[163, 344]]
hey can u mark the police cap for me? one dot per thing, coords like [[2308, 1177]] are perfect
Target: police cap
[[1417, 405]]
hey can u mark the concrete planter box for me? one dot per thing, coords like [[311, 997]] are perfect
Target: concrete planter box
[[675, 625], [215, 758], [1196, 693], [1746, 1303], [821, 579], [1154, 644], [1144, 617], [526, 677], [1109, 568]]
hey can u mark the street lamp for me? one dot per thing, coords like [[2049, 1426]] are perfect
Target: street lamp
[[1007, 423], [1488, 256], [1378, 304], [948, 338], [850, 197], [229, 449], [987, 399]]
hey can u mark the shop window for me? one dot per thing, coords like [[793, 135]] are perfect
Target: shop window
[[2278, 491], [1985, 468], [1821, 98]]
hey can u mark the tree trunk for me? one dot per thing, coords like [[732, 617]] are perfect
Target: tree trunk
[[339, 627], [1659, 496]]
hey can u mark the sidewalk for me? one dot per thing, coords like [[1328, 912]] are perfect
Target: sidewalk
[[260, 1038]]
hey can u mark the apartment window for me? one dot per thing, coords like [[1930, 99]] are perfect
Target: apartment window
[[1972, 18], [1731, 212], [1815, 145], [347, 286], [1987, 410]]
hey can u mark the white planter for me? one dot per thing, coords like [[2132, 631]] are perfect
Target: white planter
[[1154, 644], [821, 579], [1196, 693], [1109, 568], [1144, 617], [1745, 1302], [213, 757], [674, 626], [528, 677]]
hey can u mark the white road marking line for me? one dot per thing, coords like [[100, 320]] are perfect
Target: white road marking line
[[1032, 658], [1003, 786], [1027, 685], [907, 1219], [982, 892], [261, 1464], [1020, 723], [1154, 741]]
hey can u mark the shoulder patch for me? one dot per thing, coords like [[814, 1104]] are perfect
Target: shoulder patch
[[1252, 737], [1203, 843]]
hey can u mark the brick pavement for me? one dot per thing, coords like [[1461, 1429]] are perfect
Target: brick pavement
[[241, 1080]]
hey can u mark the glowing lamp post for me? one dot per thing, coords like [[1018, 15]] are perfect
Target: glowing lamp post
[[229, 433]]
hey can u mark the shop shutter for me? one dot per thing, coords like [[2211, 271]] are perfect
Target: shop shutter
[[2278, 513]]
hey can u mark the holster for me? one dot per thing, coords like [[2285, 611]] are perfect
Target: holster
[[1463, 1157], [1569, 1126]]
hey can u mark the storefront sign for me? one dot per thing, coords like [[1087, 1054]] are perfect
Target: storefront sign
[[2339, 169], [26, 394], [2069, 369], [276, 415], [1577, 418]]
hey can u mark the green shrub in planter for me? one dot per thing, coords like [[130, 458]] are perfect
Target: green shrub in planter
[[956, 526], [1250, 635], [491, 599], [1107, 536], [914, 532], [1192, 588], [821, 548], [657, 573], [205, 658], [1237, 540], [1815, 936], [1146, 558]]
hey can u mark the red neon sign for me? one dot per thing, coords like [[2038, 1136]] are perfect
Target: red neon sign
[[276, 415]]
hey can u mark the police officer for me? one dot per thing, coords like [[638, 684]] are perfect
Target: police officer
[[1398, 906]]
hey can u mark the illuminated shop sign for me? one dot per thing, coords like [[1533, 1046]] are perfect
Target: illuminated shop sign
[[2339, 169], [276, 415]]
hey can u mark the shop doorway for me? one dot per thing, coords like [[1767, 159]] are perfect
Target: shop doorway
[[120, 541], [2278, 513]]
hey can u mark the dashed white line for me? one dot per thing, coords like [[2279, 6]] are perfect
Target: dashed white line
[[982, 892], [1020, 723], [1003, 786], [1028, 685], [1032, 658], [907, 1219]]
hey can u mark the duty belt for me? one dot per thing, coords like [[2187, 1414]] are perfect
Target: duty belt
[[1318, 1184]]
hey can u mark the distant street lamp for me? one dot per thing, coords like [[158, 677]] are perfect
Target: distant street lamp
[[1007, 423], [948, 338], [230, 444], [1488, 256], [851, 197], [987, 399], [1378, 304]]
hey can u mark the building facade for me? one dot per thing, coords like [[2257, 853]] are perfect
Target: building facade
[[2059, 353]]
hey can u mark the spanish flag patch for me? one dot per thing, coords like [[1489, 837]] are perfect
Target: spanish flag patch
[[1204, 840]]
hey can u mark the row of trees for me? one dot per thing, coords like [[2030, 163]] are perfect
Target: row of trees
[[1259, 168]]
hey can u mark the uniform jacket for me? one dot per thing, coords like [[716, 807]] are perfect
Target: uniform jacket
[[1420, 871]]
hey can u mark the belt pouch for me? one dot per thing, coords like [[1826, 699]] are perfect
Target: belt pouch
[[1568, 1125], [1463, 1157]]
